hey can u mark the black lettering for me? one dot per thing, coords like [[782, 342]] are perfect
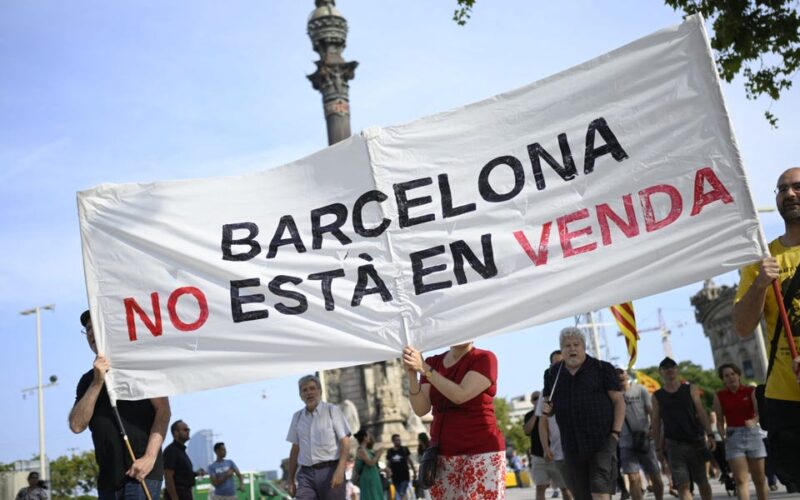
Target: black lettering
[[250, 240], [403, 203], [317, 229], [487, 191], [275, 288], [447, 200], [286, 222], [327, 277], [237, 300], [358, 215], [461, 251], [611, 146], [365, 273], [566, 172], [420, 272]]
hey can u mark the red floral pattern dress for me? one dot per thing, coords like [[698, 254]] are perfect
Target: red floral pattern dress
[[470, 477]]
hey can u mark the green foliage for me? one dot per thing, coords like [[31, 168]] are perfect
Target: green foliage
[[74, 476], [706, 380], [759, 39], [513, 432], [6, 467], [463, 12]]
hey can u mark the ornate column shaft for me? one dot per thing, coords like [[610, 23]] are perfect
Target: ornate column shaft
[[328, 32]]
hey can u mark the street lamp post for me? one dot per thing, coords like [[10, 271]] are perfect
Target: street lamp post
[[36, 310]]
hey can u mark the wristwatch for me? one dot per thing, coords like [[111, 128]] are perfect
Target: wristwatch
[[428, 373]]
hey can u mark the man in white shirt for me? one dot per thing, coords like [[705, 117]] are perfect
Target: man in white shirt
[[320, 440]]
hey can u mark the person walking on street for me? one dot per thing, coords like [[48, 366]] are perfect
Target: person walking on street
[[686, 431], [320, 440], [367, 460], [738, 422], [459, 386], [589, 409], [636, 448], [399, 460]]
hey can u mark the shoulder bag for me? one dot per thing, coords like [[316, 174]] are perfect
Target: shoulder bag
[[430, 460]]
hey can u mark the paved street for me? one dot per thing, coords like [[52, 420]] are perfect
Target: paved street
[[719, 493]]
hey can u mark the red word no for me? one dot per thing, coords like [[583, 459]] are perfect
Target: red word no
[[155, 325]]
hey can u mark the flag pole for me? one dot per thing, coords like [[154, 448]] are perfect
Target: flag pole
[[555, 383], [128, 446]]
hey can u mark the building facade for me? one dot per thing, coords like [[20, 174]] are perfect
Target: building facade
[[713, 307], [200, 448]]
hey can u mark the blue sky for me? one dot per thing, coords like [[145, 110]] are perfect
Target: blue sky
[[94, 92]]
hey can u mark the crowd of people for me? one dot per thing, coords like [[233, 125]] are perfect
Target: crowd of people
[[589, 421]]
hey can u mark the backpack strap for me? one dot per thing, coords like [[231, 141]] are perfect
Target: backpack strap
[[791, 291]]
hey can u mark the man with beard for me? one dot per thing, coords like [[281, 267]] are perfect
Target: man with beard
[[179, 473], [589, 409], [754, 297]]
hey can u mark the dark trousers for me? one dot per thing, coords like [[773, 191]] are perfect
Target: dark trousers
[[784, 438], [184, 493], [315, 484]]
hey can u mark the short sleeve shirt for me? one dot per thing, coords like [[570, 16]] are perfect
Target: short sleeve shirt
[[398, 463], [29, 493], [318, 433], [637, 406], [218, 469], [112, 457], [584, 411], [176, 459], [474, 418], [553, 432], [781, 383]]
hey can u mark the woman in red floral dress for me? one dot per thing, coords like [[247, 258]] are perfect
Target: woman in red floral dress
[[459, 386]]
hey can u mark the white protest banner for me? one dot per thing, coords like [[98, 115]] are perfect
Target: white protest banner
[[613, 180]]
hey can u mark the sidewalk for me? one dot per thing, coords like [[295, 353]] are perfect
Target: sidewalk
[[717, 488]]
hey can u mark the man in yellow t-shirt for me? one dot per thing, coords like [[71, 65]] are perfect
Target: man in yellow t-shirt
[[754, 297]]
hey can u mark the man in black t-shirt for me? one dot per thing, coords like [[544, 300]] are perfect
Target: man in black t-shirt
[[145, 422], [399, 458], [179, 473]]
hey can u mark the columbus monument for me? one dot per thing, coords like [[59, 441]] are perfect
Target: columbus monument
[[374, 396]]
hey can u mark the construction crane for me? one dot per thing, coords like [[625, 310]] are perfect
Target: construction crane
[[666, 343], [596, 330]]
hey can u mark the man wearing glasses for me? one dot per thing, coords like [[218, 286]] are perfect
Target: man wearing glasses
[[755, 297], [145, 422]]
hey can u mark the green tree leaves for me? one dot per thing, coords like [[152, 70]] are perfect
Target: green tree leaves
[[757, 39], [512, 430], [73, 476]]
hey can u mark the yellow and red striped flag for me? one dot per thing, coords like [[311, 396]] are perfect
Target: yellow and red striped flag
[[626, 320]]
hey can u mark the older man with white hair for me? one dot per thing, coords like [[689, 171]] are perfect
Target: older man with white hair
[[589, 407], [320, 440]]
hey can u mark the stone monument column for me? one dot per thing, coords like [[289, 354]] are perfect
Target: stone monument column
[[327, 29]]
